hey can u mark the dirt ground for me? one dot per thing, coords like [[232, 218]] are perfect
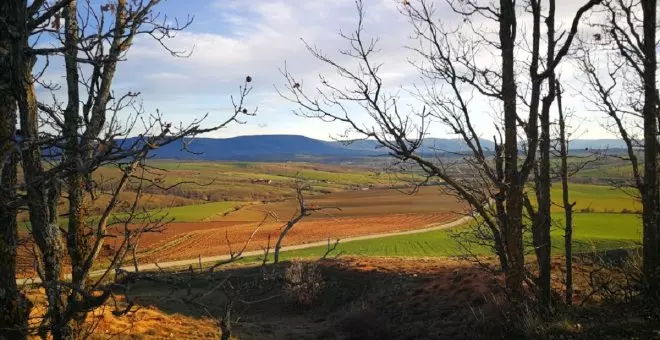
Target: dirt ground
[[361, 298], [364, 298]]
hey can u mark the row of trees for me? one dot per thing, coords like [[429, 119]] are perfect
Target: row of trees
[[59, 139], [618, 57]]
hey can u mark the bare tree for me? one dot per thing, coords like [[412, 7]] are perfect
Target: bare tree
[[569, 166], [622, 76], [242, 287], [79, 134], [567, 204], [452, 78], [14, 306], [303, 211]]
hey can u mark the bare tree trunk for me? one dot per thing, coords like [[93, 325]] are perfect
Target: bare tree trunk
[[225, 322], [650, 198], [77, 241], [44, 229], [14, 307], [278, 245], [568, 206], [514, 202], [542, 225]]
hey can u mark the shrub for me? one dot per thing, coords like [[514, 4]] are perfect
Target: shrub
[[303, 282]]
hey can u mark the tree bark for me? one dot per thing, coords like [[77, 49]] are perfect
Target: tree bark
[[542, 225], [44, 228], [568, 206], [14, 306], [514, 202], [650, 198]]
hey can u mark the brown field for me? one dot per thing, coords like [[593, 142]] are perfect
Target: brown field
[[148, 201], [362, 213], [359, 203], [211, 239]]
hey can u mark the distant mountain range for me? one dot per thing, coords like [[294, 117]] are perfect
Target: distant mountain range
[[294, 147]]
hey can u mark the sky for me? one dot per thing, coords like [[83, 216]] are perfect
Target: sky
[[230, 39]]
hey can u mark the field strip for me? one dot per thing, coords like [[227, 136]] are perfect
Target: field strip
[[197, 260]]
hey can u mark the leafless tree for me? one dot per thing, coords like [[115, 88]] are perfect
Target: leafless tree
[[569, 166], [63, 142], [620, 65], [236, 288], [303, 211], [14, 306], [447, 62]]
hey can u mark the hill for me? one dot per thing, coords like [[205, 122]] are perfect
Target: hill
[[295, 147], [259, 148]]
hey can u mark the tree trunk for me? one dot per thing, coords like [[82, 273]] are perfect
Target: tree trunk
[[287, 228], [514, 199], [568, 206], [650, 199], [14, 306], [542, 223], [45, 232], [225, 322]]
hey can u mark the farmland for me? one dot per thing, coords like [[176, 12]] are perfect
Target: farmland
[[246, 181], [593, 231], [358, 213], [237, 197], [605, 218]]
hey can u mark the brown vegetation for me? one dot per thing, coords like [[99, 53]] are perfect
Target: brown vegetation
[[371, 298]]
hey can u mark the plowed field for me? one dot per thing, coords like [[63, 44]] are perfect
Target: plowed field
[[359, 213], [353, 213]]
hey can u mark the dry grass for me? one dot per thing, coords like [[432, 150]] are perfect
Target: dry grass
[[374, 298]]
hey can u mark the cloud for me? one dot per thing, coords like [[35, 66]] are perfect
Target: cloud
[[231, 39]]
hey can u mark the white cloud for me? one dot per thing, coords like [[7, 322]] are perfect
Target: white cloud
[[256, 37]]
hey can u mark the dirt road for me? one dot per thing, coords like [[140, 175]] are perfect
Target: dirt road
[[195, 261]]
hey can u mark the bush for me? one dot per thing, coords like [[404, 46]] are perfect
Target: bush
[[303, 282]]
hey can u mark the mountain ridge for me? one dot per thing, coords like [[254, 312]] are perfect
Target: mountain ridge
[[280, 147]]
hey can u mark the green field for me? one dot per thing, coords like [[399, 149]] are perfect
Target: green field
[[253, 181], [597, 198], [601, 231]]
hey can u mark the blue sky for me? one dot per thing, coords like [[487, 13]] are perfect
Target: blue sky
[[231, 39]]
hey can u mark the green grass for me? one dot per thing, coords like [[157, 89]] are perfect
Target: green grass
[[197, 212], [601, 231], [597, 198], [615, 171], [188, 213]]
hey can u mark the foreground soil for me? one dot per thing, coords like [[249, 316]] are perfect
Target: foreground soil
[[360, 298]]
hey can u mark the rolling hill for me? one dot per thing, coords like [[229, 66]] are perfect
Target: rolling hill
[[295, 147]]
